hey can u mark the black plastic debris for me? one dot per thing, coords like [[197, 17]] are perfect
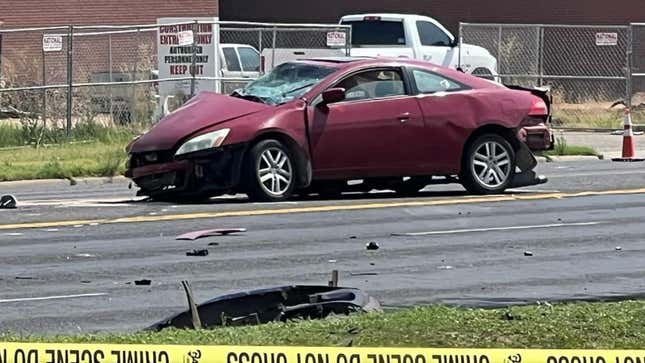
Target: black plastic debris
[[618, 248], [24, 278], [144, 282], [8, 202], [353, 237], [213, 244], [197, 253], [191, 236], [528, 253], [274, 304], [372, 246]]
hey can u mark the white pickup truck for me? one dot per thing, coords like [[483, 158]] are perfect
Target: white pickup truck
[[417, 37]]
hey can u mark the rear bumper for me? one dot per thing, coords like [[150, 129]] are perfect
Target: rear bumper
[[201, 173], [538, 138]]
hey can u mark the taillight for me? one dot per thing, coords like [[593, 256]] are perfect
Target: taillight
[[371, 18], [538, 108]]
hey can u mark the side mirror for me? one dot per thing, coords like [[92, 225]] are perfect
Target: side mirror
[[333, 95]]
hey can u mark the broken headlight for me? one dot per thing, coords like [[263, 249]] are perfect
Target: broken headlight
[[202, 142]]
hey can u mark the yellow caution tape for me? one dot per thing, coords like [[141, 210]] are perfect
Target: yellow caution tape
[[107, 353]]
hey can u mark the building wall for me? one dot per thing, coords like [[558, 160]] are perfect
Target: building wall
[[449, 12], [21, 53]]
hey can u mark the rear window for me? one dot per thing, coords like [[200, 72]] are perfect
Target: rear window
[[377, 32]]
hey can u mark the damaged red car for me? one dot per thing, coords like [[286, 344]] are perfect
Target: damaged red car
[[311, 126]]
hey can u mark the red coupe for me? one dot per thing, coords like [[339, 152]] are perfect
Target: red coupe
[[311, 126]]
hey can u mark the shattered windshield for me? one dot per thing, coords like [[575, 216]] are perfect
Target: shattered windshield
[[286, 82]]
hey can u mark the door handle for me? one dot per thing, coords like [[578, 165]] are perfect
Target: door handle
[[404, 117]]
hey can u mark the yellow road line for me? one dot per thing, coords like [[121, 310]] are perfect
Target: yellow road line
[[319, 209]]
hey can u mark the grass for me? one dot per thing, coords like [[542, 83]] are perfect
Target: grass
[[562, 148], [581, 325], [65, 161]]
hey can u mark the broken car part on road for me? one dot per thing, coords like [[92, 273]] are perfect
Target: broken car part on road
[[274, 304], [191, 236], [8, 202]]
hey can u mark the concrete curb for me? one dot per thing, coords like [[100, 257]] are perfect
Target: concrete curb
[[88, 180], [555, 159]]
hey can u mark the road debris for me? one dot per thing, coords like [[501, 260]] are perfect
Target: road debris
[[528, 253], [332, 261], [618, 248], [8, 202], [372, 246], [282, 303], [191, 236], [213, 244], [446, 267], [86, 255], [86, 282], [144, 282], [363, 273], [24, 278], [197, 253], [353, 237]]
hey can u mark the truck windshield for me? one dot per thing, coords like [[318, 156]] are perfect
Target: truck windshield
[[376, 32], [284, 83]]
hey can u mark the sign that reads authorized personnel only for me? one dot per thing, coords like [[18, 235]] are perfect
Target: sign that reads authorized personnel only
[[52, 43], [176, 37]]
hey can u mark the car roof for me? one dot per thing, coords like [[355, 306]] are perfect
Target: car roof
[[345, 63]]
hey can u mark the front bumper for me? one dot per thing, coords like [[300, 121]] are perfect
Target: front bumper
[[214, 171]]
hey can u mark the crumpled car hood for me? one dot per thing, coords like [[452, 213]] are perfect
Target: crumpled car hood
[[204, 110]]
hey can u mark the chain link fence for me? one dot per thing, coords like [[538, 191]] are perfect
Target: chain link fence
[[60, 77], [586, 67]]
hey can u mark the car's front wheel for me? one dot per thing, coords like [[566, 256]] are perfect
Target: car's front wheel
[[488, 165], [269, 173]]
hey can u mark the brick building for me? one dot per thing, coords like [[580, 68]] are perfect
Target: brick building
[[448, 12]]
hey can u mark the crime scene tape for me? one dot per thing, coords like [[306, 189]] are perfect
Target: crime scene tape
[[108, 353]]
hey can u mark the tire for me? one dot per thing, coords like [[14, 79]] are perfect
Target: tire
[[488, 165], [269, 173], [411, 186]]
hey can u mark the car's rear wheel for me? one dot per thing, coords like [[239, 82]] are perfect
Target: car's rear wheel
[[488, 165], [269, 172]]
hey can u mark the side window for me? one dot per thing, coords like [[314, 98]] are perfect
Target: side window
[[373, 84], [232, 62], [428, 82], [430, 34], [250, 59]]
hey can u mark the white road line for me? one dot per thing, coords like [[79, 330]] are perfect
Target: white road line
[[2, 301], [510, 228]]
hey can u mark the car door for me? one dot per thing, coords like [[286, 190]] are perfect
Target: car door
[[373, 132], [444, 110], [435, 44]]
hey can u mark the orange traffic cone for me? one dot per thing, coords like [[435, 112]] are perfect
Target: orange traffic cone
[[629, 150]]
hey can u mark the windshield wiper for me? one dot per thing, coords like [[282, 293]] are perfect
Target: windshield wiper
[[284, 94]]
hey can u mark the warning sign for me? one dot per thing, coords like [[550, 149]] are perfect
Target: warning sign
[[606, 39], [52, 43], [176, 37], [336, 39], [185, 37]]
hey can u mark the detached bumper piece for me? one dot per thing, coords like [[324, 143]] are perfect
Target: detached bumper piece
[[274, 304]]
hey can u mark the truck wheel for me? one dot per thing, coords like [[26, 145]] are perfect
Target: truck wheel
[[488, 165], [269, 173]]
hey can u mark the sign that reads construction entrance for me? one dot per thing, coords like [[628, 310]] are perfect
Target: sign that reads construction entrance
[[175, 40], [52, 43], [606, 39]]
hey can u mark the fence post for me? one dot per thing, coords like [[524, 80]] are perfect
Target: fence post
[[540, 55], [44, 115], [110, 75], [193, 67], [628, 68], [273, 42], [461, 41], [70, 78], [499, 53], [348, 41]]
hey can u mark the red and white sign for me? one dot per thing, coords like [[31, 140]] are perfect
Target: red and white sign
[[336, 39], [606, 39], [185, 37], [52, 43]]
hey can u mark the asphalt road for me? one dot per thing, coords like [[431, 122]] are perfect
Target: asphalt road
[[69, 254]]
